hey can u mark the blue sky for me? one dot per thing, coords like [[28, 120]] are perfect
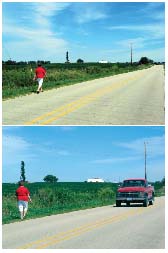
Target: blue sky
[[78, 153], [92, 31]]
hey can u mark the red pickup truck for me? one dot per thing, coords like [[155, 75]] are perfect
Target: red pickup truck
[[135, 191]]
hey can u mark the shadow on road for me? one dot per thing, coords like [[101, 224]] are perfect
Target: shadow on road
[[133, 205]]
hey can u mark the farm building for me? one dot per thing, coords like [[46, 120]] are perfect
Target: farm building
[[95, 180]]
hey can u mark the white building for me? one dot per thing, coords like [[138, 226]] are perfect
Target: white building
[[95, 180], [103, 61]]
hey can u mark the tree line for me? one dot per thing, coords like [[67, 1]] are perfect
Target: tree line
[[143, 60]]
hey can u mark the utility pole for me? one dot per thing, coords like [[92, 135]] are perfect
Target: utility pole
[[131, 53], [145, 159]]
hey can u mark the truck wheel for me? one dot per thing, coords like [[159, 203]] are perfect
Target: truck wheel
[[151, 202], [118, 203], [145, 203]]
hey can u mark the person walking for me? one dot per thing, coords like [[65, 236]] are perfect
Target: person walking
[[23, 195], [40, 74]]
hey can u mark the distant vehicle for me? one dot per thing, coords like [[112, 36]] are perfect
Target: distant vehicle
[[135, 191], [95, 180]]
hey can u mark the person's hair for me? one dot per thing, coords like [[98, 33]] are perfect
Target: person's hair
[[39, 64], [21, 183]]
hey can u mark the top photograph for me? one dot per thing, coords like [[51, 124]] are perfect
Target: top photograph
[[83, 63]]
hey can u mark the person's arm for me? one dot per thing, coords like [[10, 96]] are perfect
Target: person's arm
[[44, 72], [29, 198], [35, 76], [16, 194]]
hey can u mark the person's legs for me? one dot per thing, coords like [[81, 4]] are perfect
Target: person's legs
[[40, 83], [25, 208], [21, 209]]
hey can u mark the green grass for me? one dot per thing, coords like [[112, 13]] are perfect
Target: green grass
[[18, 80]]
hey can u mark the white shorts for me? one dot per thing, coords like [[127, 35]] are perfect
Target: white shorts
[[22, 205], [40, 81]]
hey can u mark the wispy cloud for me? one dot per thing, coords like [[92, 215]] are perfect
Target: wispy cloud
[[43, 11], [155, 146], [156, 31], [115, 160], [153, 11], [16, 147], [36, 31], [88, 12]]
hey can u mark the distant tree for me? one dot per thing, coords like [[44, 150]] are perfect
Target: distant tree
[[163, 181], [10, 62], [145, 60], [50, 179], [21, 63], [80, 61], [67, 57], [32, 62], [22, 172]]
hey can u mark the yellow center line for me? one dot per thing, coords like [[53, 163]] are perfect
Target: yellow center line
[[48, 241], [74, 105]]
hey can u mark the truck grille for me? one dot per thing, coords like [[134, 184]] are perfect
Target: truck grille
[[129, 194]]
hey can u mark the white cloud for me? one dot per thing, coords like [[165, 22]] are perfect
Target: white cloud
[[49, 9], [43, 12]]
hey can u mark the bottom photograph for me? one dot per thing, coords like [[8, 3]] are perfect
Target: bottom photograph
[[83, 187]]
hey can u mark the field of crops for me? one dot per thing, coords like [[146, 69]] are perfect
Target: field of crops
[[18, 79], [48, 198], [54, 198]]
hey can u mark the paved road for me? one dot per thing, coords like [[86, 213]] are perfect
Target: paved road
[[109, 227], [135, 98]]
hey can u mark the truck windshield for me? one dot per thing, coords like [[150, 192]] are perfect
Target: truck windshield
[[133, 183]]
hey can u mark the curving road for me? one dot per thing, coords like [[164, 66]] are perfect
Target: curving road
[[108, 227], [135, 98]]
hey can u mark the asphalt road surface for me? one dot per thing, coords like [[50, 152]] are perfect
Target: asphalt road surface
[[108, 227], [135, 98]]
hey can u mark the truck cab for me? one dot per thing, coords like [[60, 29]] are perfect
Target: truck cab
[[135, 190]]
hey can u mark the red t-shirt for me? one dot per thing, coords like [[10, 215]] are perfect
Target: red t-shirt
[[40, 72], [22, 193]]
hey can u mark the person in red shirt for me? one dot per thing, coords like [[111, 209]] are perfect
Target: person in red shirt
[[23, 195], [40, 74]]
